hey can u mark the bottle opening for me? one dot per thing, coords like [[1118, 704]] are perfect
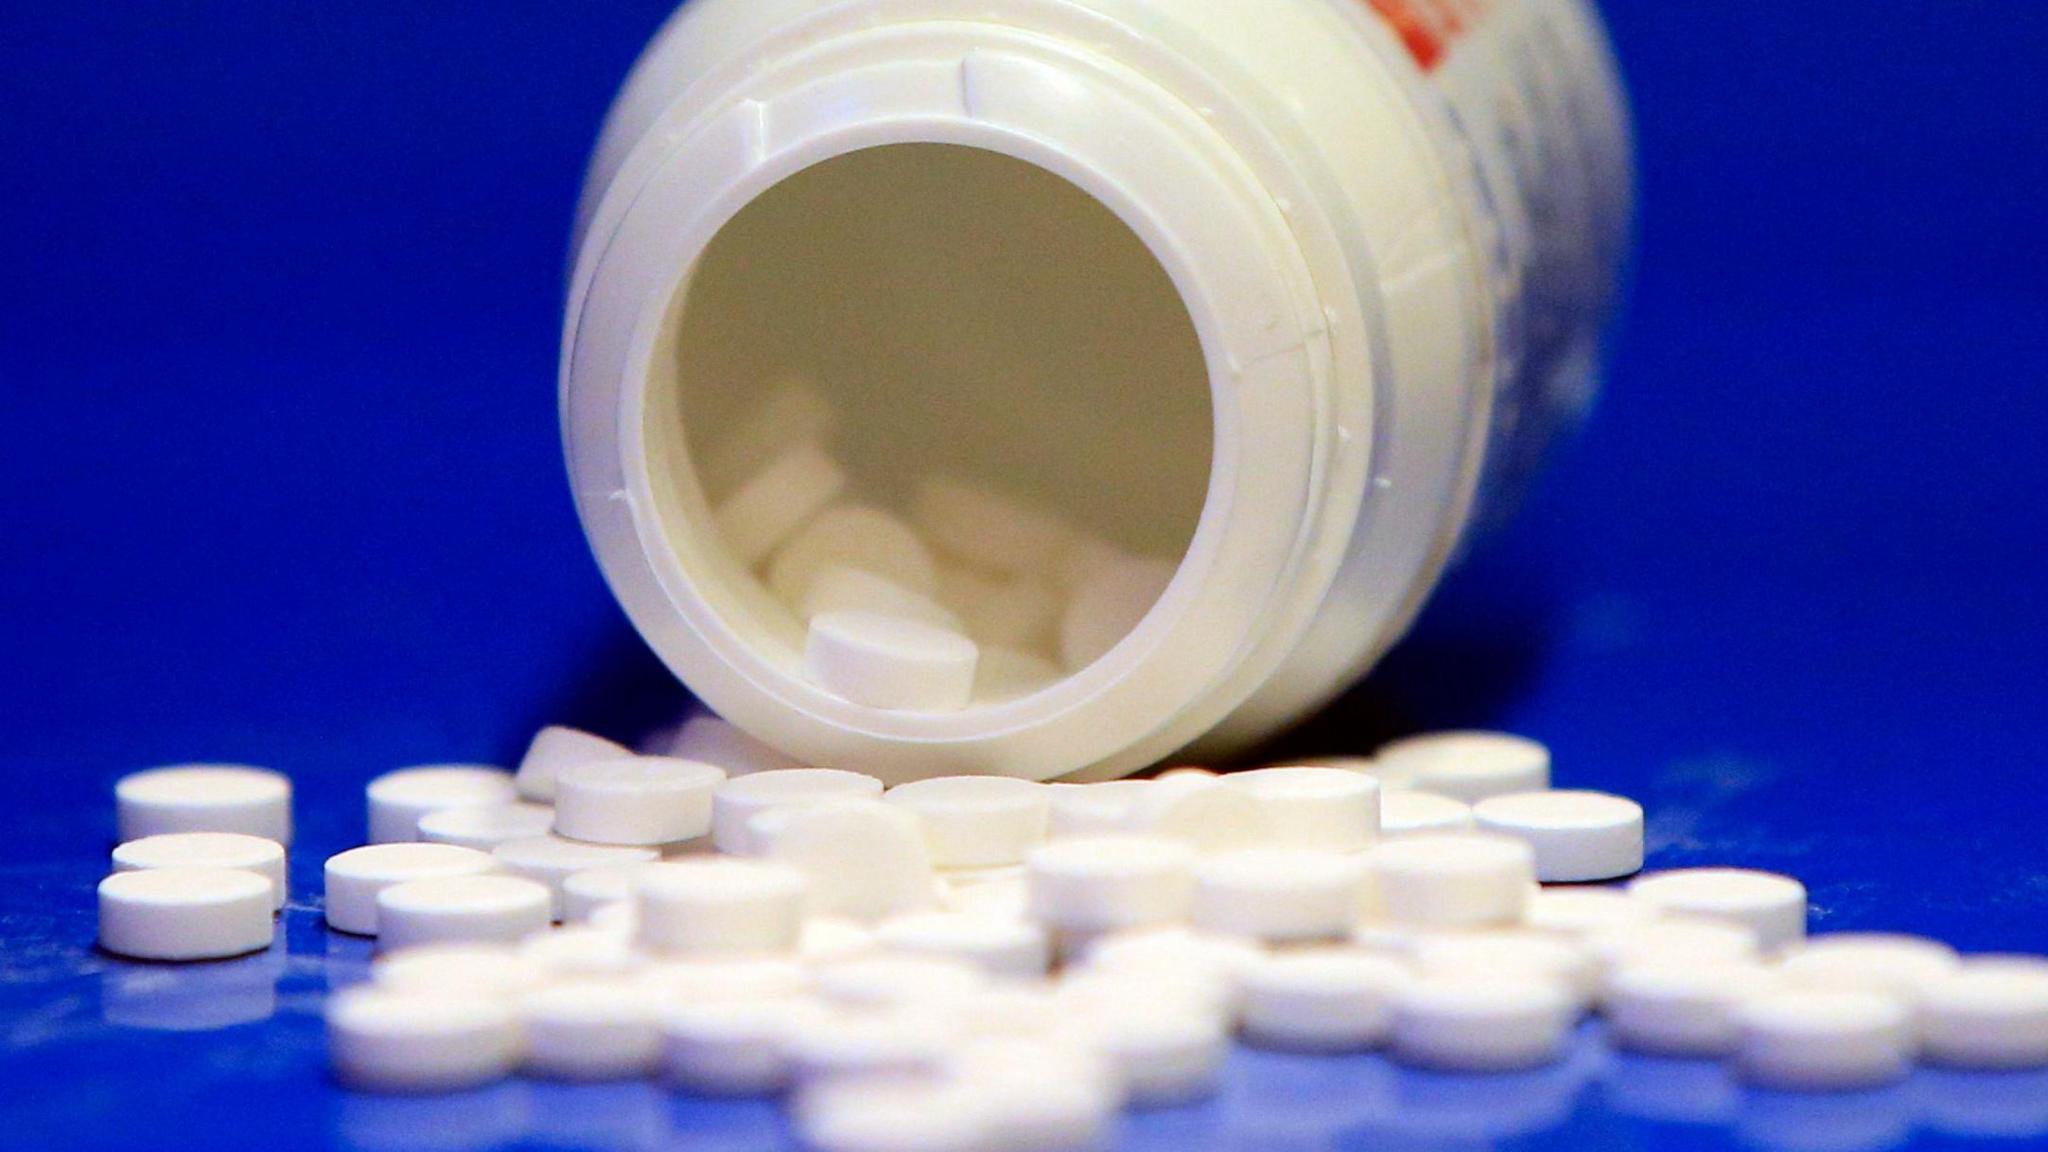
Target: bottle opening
[[933, 382]]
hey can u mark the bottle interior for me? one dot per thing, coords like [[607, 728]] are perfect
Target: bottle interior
[[936, 318]]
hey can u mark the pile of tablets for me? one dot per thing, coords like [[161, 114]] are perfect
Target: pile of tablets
[[989, 963], [965, 596], [199, 872]]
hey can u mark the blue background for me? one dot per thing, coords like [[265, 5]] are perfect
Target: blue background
[[278, 312]]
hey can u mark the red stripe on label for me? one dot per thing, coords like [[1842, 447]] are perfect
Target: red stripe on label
[[1429, 27]]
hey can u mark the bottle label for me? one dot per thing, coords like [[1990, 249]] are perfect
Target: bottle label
[[1526, 93]]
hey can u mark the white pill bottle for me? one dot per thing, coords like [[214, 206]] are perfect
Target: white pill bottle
[[1291, 292]]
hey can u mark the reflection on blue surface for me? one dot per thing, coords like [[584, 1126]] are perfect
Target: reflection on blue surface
[[614, 1117], [1839, 1122], [486, 1118], [193, 997], [2005, 1106], [1455, 1109], [628, 1117], [1270, 1101], [347, 958], [1700, 1092], [1280, 1101]]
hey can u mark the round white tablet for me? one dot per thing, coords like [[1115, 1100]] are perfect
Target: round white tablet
[[1407, 813], [398, 799], [1009, 612], [1037, 1093], [1773, 906], [1199, 810], [582, 952], [724, 979], [1580, 912], [792, 414], [707, 739], [1326, 809], [1107, 883], [395, 1041], [587, 1030], [977, 821], [1003, 893], [1322, 1000], [1004, 949], [891, 662], [355, 877], [732, 1047], [740, 799], [1467, 1021], [1390, 777], [856, 537], [869, 1043], [1811, 1040], [1167, 967], [840, 589], [621, 917], [583, 893], [461, 909], [863, 859], [1385, 938], [1902, 967], [1086, 555], [204, 798], [1453, 879], [555, 748], [1106, 607], [1470, 766], [492, 971], [638, 801], [714, 907], [230, 850], [486, 827], [551, 860], [1577, 836], [1990, 1013], [1162, 1054], [776, 501], [1565, 962], [1672, 940], [1091, 989], [1684, 1007], [895, 1112], [185, 913], [1010, 1010], [829, 938], [961, 878], [1280, 895], [897, 981], [1100, 809], [987, 529], [1177, 954]]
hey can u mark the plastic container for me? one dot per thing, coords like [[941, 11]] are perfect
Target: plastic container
[[1294, 292]]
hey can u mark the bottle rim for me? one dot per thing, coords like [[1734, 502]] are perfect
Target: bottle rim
[[1206, 216]]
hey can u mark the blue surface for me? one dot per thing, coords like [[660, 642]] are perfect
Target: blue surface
[[276, 357]]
